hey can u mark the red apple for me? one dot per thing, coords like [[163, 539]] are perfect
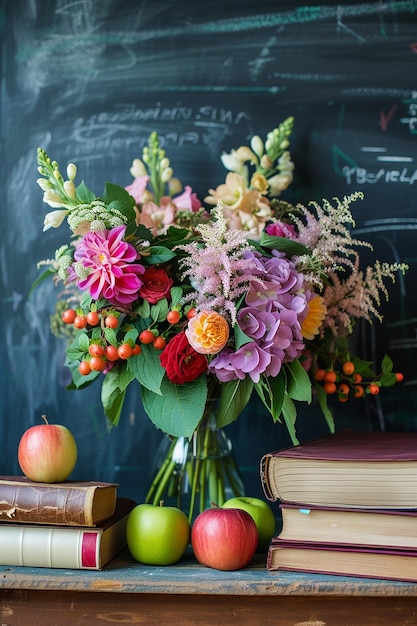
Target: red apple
[[47, 453], [224, 539]]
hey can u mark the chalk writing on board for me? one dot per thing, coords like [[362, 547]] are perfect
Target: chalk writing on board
[[362, 176]]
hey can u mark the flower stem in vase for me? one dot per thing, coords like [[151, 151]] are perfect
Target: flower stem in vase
[[192, 473]]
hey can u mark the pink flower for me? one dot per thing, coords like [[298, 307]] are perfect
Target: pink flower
[[187, 200], [105, 266], [281, 229], [137, 188]]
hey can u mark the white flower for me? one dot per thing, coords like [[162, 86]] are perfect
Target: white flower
[[236, 159], [44, 184], [69, 188], [138, 168], [166, 174], [54, 219], [279, 183], [71, 171], [53, 199], [257, 145]]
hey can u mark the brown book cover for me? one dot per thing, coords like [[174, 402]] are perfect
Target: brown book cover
[[347, 469], [344, 560], [69, 547], [70, 503], [367, 527]]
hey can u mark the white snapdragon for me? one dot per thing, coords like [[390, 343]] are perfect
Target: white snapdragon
[[138, 169], [167, 174], [71, 171], [54, 219], [44, 184], [69, 188], [257, 145], [53, 199]]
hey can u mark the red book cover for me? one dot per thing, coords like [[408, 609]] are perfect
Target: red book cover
[[350, 445], [350, 468]]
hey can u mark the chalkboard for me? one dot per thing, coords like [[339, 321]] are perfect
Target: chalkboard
[[89, 81]]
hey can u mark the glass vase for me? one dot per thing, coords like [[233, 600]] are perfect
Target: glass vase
[[193, 473]]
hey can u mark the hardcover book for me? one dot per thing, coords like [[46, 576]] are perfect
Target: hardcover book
[[347, 469], [342, 560], [68, 547], [371, 527], [69, 503]]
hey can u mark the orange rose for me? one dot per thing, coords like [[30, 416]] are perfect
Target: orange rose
[[208, 332]]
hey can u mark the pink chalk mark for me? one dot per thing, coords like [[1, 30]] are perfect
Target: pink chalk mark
[[385, 119]]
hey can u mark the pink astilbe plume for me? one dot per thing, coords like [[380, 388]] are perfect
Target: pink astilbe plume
[[356, 297], [218, 269], [327, 234]]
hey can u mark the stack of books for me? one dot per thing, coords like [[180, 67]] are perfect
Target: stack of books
[[74, 525], [348, 503]]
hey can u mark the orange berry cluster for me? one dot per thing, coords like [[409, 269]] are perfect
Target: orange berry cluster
[[100, 352], [346, 382]]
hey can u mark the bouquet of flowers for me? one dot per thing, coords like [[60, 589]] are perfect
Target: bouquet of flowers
[[246, 293]]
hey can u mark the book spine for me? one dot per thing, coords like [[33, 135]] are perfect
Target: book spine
[[34, 546], [46, 504]]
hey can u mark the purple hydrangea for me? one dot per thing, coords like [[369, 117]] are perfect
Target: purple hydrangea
[[271, 317]]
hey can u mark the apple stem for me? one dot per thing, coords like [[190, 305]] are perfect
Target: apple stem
[[44, 418], [161, 503], [215, 505]]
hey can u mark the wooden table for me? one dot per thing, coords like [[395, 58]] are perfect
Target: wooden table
[[126, 592]]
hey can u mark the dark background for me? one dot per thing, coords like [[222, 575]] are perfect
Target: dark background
[[88, 81]]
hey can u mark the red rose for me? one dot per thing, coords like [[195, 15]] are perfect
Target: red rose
[[181, 362], [156, 284]]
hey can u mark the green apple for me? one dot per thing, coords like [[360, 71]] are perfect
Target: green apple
[[261, 513], [157, 535]]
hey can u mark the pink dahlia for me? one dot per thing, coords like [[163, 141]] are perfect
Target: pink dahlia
[[105, 266]]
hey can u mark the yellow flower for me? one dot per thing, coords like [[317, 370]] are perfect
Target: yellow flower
[[316, 313], [207, 332], [246, 209], [259, 182]]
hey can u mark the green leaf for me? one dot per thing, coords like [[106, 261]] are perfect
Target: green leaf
[[271, 391], [83, 341], [131, 335], [298, 382], [179, 408], [159, 310], [289, 246], [387, 364], [322, 400], [78, 348], [112, 397], [364, 368], [159, 254], [79, 381], [110, 336], [234, 396], [176, 295], [175, 235], [240, 338], [124, 376], [115, 193], [388, 380], [84, 194], [147, 368], [290, 416], [144, 310]]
